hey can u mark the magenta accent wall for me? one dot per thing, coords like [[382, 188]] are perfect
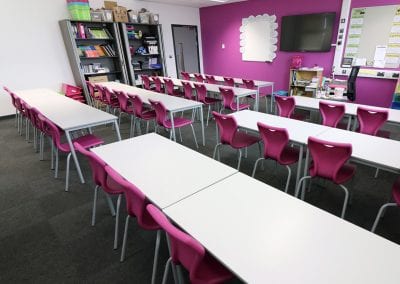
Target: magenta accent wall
[[220, 24]]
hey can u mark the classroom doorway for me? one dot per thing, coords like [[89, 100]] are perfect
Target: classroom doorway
[[186, 48]]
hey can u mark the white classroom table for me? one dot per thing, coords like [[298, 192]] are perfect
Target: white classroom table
[[164, 171], [238, 81], [299, 131], [67, 114], [172, 104], [266, 236], [238, 92]]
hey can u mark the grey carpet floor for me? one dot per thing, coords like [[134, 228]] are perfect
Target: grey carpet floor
[[45, 233]]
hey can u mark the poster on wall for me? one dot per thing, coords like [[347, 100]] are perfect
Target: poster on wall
[[258, 38]]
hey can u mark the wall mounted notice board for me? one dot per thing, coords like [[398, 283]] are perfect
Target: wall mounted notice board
[[373, 38]]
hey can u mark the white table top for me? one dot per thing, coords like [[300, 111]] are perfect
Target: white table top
[[266, 236], [257, 83], [299, 131], [66, 113], [239, 92], [170, 102], [164, 171], [350, 108], [367, 148]]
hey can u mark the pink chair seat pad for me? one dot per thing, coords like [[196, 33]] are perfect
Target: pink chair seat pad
[[241, 106], [148, 114], [210, 101], [211, 271], [86, 141], [345, 173], [242, 139], [290, 155], [178, 122]]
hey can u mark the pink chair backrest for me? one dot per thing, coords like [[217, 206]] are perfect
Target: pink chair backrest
[[228, 97], [199, 78], [185, 249], [249, 84], [275, 140], [328, 157], [370, 120], [109, 94], [102, 92], [146, 82], [123, 100], [201, 92], [169, 86], [11, 95], [285, 105], [331, 113], [97, 165], [185, 75], [229, 82], [227, 127], [135, 200], [52, 130], [211, 79], [161, 111], [91, 88], [157, 83], [188, 90], [137, 105]]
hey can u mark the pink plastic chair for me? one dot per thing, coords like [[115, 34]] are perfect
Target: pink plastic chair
[[370, 120], [162, 120], [92, 94], [146, 82], [228, 100], [286, 106], [329, 162], [169, 86], [229, 82], [158, 84], [111, 100], [201, 92], [211, 79], [199, 78], [13, 103], [125, 105], [185, 75], [331, 113], [102, 96], [188, 252], [188, 91], [396, 198], [229, 135], [249, 84], [276, 147], [87, 141], [106, 182], [140, 113]]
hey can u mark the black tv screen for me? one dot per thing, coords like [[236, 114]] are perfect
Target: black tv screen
[[311, 32]]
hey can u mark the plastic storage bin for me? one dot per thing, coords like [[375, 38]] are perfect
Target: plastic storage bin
[[79, 10]]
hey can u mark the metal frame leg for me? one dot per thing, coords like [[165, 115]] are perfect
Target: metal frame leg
[[194, 136], [346, 199], [165, 275], [215, 150], [288, 178], [299, 164], [173, 134], [94, 205], [73, 153], [117, 221], [298, 187], [202, 125], [67, 172], [123, 250], [155, 261], [380, 214], [117, 130], [255, 166], [240, 159]]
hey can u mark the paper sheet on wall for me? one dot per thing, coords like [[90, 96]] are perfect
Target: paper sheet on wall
[[395, 28], [394, 39], [360, 61]]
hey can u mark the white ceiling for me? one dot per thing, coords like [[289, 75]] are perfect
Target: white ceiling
[[193, 3]]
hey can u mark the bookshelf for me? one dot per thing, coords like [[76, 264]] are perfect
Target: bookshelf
[[143, 49], [94, 52], [305, 81]]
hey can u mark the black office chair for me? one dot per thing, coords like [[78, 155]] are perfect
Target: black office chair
[[351, 83]]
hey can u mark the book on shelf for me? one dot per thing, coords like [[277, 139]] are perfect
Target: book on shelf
[[92, 51], [82, 31]]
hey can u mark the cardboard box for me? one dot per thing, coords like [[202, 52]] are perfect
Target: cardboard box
[[108, 16], [98, 79], [120, 14], [109, 5]]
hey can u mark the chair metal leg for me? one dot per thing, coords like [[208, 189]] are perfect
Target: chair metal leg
[[215, 150], [110, 204], [255, 166], [165, 276], [380, 213], [130, 128], [67, 171], [208, 114], [117, 222], [180, 134], [147, 126], [194, 136], [239, 159], [296, 194], [288, 178], [346, 199], [123, 250], [155, 261], [376, 173], [56, 170], [94, 205]]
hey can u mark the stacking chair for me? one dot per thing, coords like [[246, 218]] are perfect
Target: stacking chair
[[276, 147], [86, 141], [92, 93], [229, 135], [188, 252], [136, 203], [331, 113], [104, 181], [201, 92], [199, 78], [229, 82], [211, 79], [228, 100], [286, 106], [158, 85], [111, 100], [125, 105], [188, 91], [249, 84], [12, 96], [396, 198], [185, 75], [146, 82], [169, 86], [163, 121], [140, 113], [329, 162]]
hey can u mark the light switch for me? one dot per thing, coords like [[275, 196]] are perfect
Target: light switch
[[223, 46]]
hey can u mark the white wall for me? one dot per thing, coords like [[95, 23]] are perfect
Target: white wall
[[32, 52]]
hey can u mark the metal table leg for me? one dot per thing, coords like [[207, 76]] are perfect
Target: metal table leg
[[78, 168], [299, 165], [171, 114], [202, 125]]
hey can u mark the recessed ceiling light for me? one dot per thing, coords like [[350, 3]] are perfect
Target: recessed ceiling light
[[221, 1]]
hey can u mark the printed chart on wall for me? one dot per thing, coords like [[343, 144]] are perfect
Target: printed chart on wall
[[374, 37]]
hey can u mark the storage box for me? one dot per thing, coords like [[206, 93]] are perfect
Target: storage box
[[79, 10], [120, 14], [108, 16], [133, 16], [98, 79], [154, 19], [97, 16], [144, 17], [109, 5]]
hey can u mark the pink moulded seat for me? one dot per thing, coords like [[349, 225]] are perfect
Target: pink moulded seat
[[331, 113], [201, 92], [371, 120], [230, 135], [146, 82], [249, 84], [92, 94], [188, 252], [169, 86], [185, 75], [163, 121], [329, 162], [277, 148], [158, 84], [140, 113], [199, 78], [104, 181], [12, 96], [286, 106], [211, 79], [228, 100], [188, 91], [229, 82], [111, 99]]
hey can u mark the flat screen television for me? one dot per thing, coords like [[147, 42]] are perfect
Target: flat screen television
[[310, 32]]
